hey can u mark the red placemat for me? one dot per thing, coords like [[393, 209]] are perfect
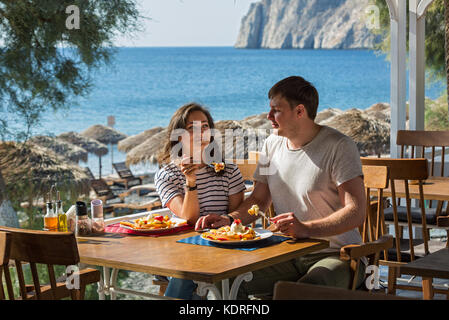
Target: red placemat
[[115, 228]]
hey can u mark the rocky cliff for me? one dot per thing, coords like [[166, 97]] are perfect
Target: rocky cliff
[[306, 24]]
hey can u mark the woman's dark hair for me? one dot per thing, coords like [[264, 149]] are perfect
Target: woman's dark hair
[[179, 121], [296, 90]]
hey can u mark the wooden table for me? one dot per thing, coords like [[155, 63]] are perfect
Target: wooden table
[[435, 265], [203, 264]]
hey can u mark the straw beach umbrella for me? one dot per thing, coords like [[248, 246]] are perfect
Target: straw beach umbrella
[[63, 148], [106, 135], [371, 135], [88, 144], [30, 170], [129, 143], [103, 134], [148, 150]]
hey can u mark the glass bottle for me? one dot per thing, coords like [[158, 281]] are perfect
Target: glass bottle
[[83, 225], [96, 210], [62, 217], [50, 219]]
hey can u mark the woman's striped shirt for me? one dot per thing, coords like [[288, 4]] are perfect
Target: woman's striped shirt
[[213, 189]]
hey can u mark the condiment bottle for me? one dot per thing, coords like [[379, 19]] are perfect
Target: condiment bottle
[[71, 218], [62, 217], [83, 224], [50, 219], [96, 210]]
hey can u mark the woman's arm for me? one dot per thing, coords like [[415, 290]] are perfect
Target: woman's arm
[[186, 207], [235, 200]]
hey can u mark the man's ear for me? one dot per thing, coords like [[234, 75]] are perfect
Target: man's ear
[[300, 110]]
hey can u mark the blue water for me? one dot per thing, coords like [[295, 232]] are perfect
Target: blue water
[[144, 86]]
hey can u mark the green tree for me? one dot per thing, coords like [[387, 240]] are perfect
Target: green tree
[[437, 37], [46, 61]]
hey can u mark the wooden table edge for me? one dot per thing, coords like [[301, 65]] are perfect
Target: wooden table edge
[[204, 277]]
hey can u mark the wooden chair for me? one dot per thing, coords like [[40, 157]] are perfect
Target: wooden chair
[[113, 202], [287, 290], [405, 250], [38, 247], [126, 176], [374, 240], [437, 142]]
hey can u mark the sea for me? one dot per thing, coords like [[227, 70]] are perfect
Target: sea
[[142, 87]]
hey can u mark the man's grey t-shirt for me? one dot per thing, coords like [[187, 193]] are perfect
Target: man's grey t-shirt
[[305, 181]]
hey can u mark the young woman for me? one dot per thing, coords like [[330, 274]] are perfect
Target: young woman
[[187, 183]]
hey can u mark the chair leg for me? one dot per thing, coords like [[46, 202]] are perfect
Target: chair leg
[[162, 289], [427, 288], [392, 275]]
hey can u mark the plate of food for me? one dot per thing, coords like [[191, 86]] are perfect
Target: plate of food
[[236, 234], [153, 223]]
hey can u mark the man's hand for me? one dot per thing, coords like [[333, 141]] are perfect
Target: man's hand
[[289, 225], [213, 221]]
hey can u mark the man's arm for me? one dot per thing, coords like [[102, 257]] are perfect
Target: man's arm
[[352, 215], [260, 196]]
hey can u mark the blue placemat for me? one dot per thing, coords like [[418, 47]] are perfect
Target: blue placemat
[[247, 247]]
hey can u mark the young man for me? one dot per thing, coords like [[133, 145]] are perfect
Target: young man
[[314, 178]]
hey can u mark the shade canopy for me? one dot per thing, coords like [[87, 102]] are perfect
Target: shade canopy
[[131, 142], [148, 150], [88, 144], [61, 147], [371, 135], [31, 170], [104, 134]]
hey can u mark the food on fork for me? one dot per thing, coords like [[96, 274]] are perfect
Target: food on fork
[[254, 210], [218, 166], [235, 232], [151, 222]]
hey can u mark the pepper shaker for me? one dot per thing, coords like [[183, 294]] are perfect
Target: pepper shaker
[[83, 226]]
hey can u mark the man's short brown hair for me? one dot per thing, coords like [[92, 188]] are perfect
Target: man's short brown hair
[[296, 90]]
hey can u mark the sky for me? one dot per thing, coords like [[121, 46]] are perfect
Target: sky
[[188, 23]]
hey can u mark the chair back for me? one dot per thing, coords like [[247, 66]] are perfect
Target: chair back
[[438, 141], [122, 170], [374, 177], [247, 169], [89, 173], [5, 247], [40, 247], [102, 189], [405, 170]]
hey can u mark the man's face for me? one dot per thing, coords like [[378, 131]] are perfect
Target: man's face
[[281, 115]]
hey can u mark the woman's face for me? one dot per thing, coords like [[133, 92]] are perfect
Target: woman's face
[[198, 133]]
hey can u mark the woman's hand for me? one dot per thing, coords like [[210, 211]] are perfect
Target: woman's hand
[[213, 221], [289, 225], [189, 170]]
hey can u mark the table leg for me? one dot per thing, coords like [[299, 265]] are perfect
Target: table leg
[[113, 284], [101, 288], [427, 288], [237, 282], [225, 289], [204, 288], [226, 294]]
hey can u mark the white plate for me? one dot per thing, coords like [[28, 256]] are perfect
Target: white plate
[[179, 223], [262, 233]]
